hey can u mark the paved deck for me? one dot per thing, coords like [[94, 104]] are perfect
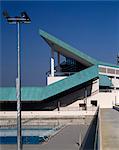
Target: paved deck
[[68, 138], [110, 129]]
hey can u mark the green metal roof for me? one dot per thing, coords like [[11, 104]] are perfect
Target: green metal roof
[[104, 81], [67, 50], [42, 93]]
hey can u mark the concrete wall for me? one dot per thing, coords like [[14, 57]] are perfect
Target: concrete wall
[[47, 114], [104, 99]]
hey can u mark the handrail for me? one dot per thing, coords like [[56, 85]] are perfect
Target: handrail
[[98, 135], [97, 131], [100, 130], [86, 136]]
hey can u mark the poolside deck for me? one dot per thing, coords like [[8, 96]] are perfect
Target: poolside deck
[[68, 138], [110, 129]]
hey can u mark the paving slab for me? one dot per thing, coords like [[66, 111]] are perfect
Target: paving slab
[[110, 129]]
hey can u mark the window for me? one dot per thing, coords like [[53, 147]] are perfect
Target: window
[[112, 71], [94, 102], [117, 71], [102, 69]]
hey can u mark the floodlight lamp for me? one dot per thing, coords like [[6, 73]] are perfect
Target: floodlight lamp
[[5, 14], [26, 17]]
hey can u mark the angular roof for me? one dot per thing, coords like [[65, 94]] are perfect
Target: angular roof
[[70, 51]]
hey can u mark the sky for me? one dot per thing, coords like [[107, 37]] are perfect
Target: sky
[[90, 26]]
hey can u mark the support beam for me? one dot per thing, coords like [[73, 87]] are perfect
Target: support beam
[[52, 62]]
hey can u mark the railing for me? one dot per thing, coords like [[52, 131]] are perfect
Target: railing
[[98, 136], [96, 132], [87, 136]]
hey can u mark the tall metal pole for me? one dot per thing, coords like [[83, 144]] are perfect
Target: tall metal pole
[[19, 138], [24, 18]]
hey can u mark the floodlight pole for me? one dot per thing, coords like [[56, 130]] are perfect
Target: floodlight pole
[[19, 137], [24, 18]]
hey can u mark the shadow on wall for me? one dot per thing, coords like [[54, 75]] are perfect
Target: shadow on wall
[[89, 139]]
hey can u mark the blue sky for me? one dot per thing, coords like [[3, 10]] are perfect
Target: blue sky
[[92, 27]]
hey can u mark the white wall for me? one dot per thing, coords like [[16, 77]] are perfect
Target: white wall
[[51, 80], [106, 100], [115, 82], [117, 100], [95, 86]]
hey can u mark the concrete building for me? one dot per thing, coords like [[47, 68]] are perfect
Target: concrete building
[[79, 82]]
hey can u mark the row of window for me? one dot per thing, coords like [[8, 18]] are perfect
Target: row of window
[[108, 70]]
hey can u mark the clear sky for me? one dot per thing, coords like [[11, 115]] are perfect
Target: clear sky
[[91, 27]]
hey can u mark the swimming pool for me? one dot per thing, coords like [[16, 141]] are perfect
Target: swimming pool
[[29, 135]]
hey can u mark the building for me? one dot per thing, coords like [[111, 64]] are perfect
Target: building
[[79, 82]]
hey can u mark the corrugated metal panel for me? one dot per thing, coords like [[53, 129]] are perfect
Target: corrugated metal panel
[[8, 93], [41, 93]]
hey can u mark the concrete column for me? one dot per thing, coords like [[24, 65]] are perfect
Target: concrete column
[[86, 94], [58, 55], [115, 90], [52, 62], [58, 60], [58, 105]]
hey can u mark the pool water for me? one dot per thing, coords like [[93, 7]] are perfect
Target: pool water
[[29, 135]]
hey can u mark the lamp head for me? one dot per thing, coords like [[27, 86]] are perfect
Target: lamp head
[[5, 14], [26, 17]]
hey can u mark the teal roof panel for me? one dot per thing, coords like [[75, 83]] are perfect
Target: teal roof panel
[[42, 93], [66, 49], [104, 81]]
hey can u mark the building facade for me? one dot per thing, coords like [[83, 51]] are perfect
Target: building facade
[[75, 81]]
